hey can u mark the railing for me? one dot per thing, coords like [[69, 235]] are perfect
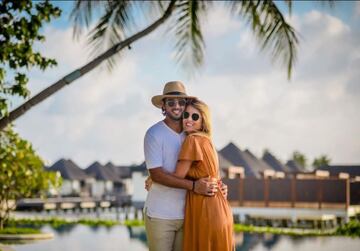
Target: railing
[[293, 193]]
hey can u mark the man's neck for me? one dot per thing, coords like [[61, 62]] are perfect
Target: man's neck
[[173, 124]]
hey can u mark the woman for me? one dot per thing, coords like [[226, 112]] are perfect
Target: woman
[[208, 223]]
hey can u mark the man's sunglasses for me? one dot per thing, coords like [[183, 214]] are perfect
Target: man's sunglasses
[[194, 116], [172, 102]]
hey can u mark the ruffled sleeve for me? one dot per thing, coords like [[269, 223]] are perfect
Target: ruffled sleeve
[[191, 149]]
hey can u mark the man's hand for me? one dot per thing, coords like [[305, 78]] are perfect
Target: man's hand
[[223, 189], [148, 183], [206, 186]]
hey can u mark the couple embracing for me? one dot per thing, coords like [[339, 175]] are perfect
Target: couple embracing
[[186, 207]]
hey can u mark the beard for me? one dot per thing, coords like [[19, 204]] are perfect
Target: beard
[[174, 117]]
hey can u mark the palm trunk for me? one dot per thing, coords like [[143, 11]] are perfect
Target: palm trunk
[[47, 92]]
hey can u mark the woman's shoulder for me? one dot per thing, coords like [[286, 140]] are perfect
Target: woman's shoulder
[[197, 136]]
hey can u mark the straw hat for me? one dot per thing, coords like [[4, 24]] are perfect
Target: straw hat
[[173, 89]]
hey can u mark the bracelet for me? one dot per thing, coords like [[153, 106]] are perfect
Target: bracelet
[[193, 188]]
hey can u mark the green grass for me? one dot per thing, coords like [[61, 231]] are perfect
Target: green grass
[[91, 222], [59, 222], [134, 223], [55, 222], [14, 230], [282, 231], [351, 229]]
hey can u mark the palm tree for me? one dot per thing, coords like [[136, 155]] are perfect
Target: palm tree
[[114, 31], [300, 158], [323, 160]]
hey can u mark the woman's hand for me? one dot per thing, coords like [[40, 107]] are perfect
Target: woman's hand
[[148, 183], [206, 186]]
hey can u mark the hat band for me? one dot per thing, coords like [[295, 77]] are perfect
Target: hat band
[[175, 93]]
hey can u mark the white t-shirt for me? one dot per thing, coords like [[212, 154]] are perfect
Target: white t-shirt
[[161, 147]]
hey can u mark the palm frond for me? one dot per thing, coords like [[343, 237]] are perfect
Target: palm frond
[[118, 20], [289, 5], [331, 3], [110, 29], [189, 45], [82, 14], [271, 29]]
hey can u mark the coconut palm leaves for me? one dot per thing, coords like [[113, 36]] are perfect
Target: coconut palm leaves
[[190, 42], [274, 34], [118, 22], [119, 18]]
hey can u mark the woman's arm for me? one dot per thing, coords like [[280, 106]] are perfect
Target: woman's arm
[[182, 168], [159, 175]]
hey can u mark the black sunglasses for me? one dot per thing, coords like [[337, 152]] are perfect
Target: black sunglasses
[[194, 116], [172, 102]]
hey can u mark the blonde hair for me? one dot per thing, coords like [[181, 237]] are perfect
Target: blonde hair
[[205, 115]]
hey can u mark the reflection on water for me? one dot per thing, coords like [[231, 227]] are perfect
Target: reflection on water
[[137, 233], [259, 242], [246, 241], [80, 237]]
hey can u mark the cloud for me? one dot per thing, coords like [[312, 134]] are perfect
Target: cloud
[[256, 107], [357, 9], [219, 22], [91, 119], [104, 116]]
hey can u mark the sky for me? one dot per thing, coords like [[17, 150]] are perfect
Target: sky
[[104, 115]]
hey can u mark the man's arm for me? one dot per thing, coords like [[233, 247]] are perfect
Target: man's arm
[[204, 186], [166, 179]]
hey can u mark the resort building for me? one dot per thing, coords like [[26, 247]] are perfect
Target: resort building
[[342, 171], [107, 182], [75, 181]]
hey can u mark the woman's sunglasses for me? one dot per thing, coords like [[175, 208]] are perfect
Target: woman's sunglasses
[[172, 102], [194, 116]]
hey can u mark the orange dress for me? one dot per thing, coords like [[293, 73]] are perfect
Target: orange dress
[[208, 223]]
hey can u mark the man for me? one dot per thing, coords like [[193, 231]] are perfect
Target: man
[[164, 206]]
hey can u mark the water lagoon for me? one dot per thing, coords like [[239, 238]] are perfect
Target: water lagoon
[[81, 237]]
